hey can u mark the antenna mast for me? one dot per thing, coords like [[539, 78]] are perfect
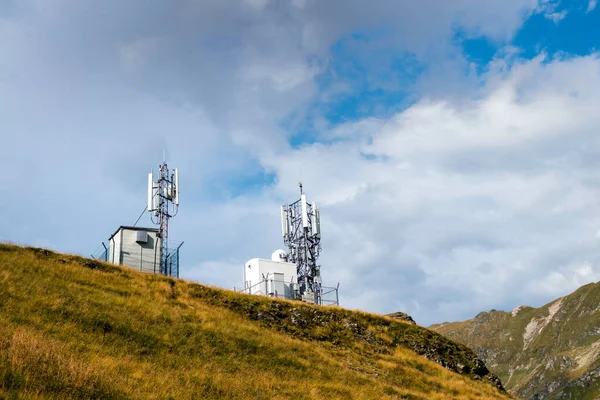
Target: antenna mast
[[301, 229], [163, 203]]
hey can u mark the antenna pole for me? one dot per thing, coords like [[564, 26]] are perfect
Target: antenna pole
[[302, 236], [166, 191], [163, 216]]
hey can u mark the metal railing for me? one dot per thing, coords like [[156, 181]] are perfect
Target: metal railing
[[101, 253], [329, 294], [172, 267], [263, 286], [172, 259]]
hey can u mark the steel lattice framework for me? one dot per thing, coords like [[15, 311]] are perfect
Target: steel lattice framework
[[301, 229], [163, 203]]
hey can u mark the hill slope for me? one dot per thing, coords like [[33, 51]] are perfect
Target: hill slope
[[76, 328], [551, 352]]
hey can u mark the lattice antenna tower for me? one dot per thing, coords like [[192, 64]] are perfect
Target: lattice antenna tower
[[301, 229], [163, 204]]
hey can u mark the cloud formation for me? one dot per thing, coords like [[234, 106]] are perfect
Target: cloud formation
[[478, 192], [484, 202]]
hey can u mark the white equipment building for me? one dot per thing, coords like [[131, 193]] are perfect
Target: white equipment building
[[138, 248], [274, 277]]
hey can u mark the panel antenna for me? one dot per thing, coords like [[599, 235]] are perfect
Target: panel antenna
[[301, 230], [163, 204]]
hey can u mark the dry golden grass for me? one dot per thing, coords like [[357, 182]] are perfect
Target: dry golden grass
[[74, 328]]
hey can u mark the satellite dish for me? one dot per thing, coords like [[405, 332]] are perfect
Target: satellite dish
[[279, 255]]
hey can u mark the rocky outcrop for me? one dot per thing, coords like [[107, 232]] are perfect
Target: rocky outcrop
[[402, 317], [352, 330]]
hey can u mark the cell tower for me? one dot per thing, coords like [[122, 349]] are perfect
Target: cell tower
[[163, 203], [301, 229]]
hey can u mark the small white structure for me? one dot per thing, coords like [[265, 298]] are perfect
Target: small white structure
[[138, 248], [275, 277]]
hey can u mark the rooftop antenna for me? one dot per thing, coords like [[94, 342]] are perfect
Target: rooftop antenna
[[301, 230], [163, 203]]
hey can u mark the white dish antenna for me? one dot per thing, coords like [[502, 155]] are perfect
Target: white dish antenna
[[279, 255]]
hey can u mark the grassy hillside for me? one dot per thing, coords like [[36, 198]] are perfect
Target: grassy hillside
[[551, 352], [76, 328]]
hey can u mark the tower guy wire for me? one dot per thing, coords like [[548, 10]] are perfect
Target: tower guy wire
[[141, 215]]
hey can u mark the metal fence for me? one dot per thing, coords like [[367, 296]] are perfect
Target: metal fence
[[268, 287], [172, 263], [329, 295], [172, 260], [101, 253]]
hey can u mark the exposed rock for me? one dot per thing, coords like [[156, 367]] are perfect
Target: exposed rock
[[342, 328], [516, 310], [402, 317]]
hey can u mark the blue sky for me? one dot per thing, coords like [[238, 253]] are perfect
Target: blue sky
[[375, 80], [451, 145]]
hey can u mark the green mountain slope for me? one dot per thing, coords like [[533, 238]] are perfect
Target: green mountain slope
[[551, 352], [77, 328]]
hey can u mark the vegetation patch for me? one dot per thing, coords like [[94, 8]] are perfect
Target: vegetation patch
[[68, 329], [550, 352], [349, 329]]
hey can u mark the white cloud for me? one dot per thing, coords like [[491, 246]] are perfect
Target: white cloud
[[299, 3], [549, 9], [259, 4], [134, 54], [485, 203], [592, 5], [556, 17], [568, 279], [438, 209]]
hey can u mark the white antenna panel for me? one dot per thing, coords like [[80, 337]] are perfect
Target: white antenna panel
[[150, 192], [155, 198], [318, 223], [176, 187], [163, 201], [314, 219], [284, 222], [304, 211]]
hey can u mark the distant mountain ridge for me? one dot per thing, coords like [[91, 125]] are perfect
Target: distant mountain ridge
[[550, 352]]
